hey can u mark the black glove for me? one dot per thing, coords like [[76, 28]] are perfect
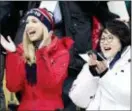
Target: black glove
[[95, 73]]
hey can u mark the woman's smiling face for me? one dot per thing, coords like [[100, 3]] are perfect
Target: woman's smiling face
[[109, 44], [34, 28]]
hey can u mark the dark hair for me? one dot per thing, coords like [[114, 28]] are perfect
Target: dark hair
[[119, 29]]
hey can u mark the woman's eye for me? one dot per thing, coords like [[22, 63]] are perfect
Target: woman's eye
[[110, 37], [102, 38], [34, 21]]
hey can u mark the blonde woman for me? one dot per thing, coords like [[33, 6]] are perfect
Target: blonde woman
[[38, 66]]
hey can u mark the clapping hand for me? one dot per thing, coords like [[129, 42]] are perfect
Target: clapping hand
[[46, 41], [100, 66], [7, 45]]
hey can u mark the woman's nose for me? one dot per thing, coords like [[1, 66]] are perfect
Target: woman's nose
[[106, 41], [29, 25]]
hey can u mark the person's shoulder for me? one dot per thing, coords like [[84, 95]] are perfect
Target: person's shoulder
[[20, 48], [67, 42], [126, 55], [126, 52]]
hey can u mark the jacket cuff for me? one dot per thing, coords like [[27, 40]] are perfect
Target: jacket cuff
[[95, 73], [103, 73]]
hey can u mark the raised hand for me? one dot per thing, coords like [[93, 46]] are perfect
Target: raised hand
[[46, 41], [99, 66], [9, 46]]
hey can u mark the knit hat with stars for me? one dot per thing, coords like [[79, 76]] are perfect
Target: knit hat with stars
[[43, 15]]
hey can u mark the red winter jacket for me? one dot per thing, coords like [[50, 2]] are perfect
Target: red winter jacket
[[52, 63]]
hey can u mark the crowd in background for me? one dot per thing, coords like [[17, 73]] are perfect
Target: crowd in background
[[69, 29]]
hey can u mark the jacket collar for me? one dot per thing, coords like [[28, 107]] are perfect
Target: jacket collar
[[125, 56], [53, 46]]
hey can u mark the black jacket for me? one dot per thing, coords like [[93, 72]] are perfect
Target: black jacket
[[77, 17], [77, 20]]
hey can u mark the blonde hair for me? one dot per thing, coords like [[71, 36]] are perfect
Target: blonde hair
[[29, 48]]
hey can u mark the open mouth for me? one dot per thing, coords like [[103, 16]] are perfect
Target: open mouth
[[31, 33], [107, 48]]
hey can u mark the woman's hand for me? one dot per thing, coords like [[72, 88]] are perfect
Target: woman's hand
[[7, 45], [100, 66], [46, 41]]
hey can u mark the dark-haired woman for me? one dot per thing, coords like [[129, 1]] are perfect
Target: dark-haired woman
[[105, 85]]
